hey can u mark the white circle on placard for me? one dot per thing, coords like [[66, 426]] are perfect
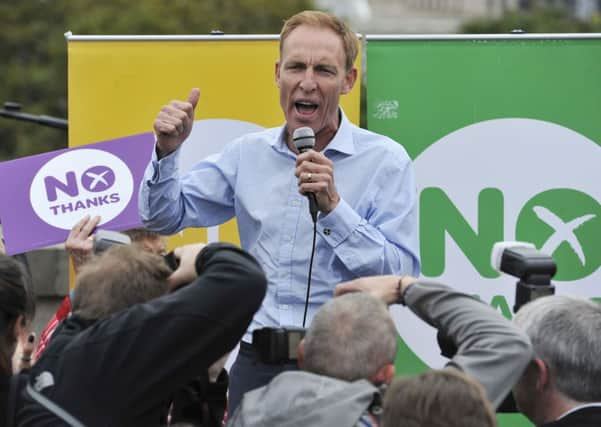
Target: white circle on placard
[[80, 182]]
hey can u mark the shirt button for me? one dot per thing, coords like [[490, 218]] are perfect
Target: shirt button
[[327, 231]]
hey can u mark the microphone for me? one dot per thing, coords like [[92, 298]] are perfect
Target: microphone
[[304, 139]]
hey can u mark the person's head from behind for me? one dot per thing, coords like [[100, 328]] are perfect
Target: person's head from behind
[[16, 309], [439, 398], [117, 279], [147, 240], [317, 53], [351, 337], [566, 369]]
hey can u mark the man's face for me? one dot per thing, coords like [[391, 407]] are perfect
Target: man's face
[[527, 396], [311, 76]]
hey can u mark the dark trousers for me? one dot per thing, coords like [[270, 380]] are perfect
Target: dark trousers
[[247, 374]]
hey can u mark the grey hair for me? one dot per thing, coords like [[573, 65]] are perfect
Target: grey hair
[[351, 337], [564, 332]]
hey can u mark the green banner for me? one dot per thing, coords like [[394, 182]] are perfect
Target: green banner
[[505, 134]]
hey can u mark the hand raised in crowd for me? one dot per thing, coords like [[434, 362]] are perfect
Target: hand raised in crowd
[[79, 244], [174, 123], [186, 272], [315, 173], [386, 288]]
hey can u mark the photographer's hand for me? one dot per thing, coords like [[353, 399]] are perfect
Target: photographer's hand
[[79, 243], [386, 288], [186, 272]]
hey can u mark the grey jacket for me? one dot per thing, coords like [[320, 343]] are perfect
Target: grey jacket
[[299, 399], [490, 348]]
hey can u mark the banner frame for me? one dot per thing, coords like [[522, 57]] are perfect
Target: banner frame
[[516, 36]]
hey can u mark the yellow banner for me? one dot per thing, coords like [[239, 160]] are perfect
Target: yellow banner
[[118, 85]]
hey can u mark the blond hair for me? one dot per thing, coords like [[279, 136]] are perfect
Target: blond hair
[[319, 19]]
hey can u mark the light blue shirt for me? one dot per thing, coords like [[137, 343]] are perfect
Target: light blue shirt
[[372, 230]]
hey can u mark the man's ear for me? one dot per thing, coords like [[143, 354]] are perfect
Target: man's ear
[[300, 351], [543, 375], [277, 73], [384, 375], [349, 80]]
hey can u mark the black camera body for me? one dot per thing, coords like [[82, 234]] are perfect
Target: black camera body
[[521, 260], [277, 345]]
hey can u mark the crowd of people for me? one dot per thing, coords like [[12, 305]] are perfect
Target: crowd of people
[[146, 345], [143, 342]]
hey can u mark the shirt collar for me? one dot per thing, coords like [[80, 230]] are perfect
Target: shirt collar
[[579, 407], [342, 141]]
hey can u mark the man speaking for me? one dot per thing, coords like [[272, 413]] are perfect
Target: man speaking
[[362, 185]]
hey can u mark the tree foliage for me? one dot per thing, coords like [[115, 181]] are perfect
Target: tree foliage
[[536, 20], [34, 49]]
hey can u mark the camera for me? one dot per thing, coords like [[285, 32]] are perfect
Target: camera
[[104, 239], [277, 345], [534, 269], [521, 260]]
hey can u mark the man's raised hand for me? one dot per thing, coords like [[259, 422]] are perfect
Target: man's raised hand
[[186, 271], [174, 123], [79, 244]]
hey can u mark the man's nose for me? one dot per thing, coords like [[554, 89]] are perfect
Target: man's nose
[[308, 83]]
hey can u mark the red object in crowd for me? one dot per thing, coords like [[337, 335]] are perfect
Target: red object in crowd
[[61, 313]]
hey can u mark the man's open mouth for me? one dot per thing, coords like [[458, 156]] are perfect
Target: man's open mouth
[[305, 107]]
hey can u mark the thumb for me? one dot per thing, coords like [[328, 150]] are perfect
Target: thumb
[[194, 96]]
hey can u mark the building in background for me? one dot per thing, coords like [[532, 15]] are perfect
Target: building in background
[[440, 16]]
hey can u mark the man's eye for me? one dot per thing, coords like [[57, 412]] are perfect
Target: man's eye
[[327, 71]]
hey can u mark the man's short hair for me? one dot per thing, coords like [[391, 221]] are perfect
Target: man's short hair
[[351, 337], [440, 398], [564, 332], [120, 277], [319, 19]]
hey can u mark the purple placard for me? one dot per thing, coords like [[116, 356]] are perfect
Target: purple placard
[[44, 195]]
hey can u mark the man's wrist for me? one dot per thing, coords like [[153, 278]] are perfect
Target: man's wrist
[[403, 284], [160, 152]]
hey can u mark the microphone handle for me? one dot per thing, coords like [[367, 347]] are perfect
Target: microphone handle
[[313, 209]]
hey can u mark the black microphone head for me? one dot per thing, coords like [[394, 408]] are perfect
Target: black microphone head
[[303, 138]]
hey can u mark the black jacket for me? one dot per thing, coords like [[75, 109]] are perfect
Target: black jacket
[[585, 417], [121, 371]]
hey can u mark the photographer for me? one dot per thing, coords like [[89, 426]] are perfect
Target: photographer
[[491, 349], [346, 356], [123, 368], [81, 245]]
